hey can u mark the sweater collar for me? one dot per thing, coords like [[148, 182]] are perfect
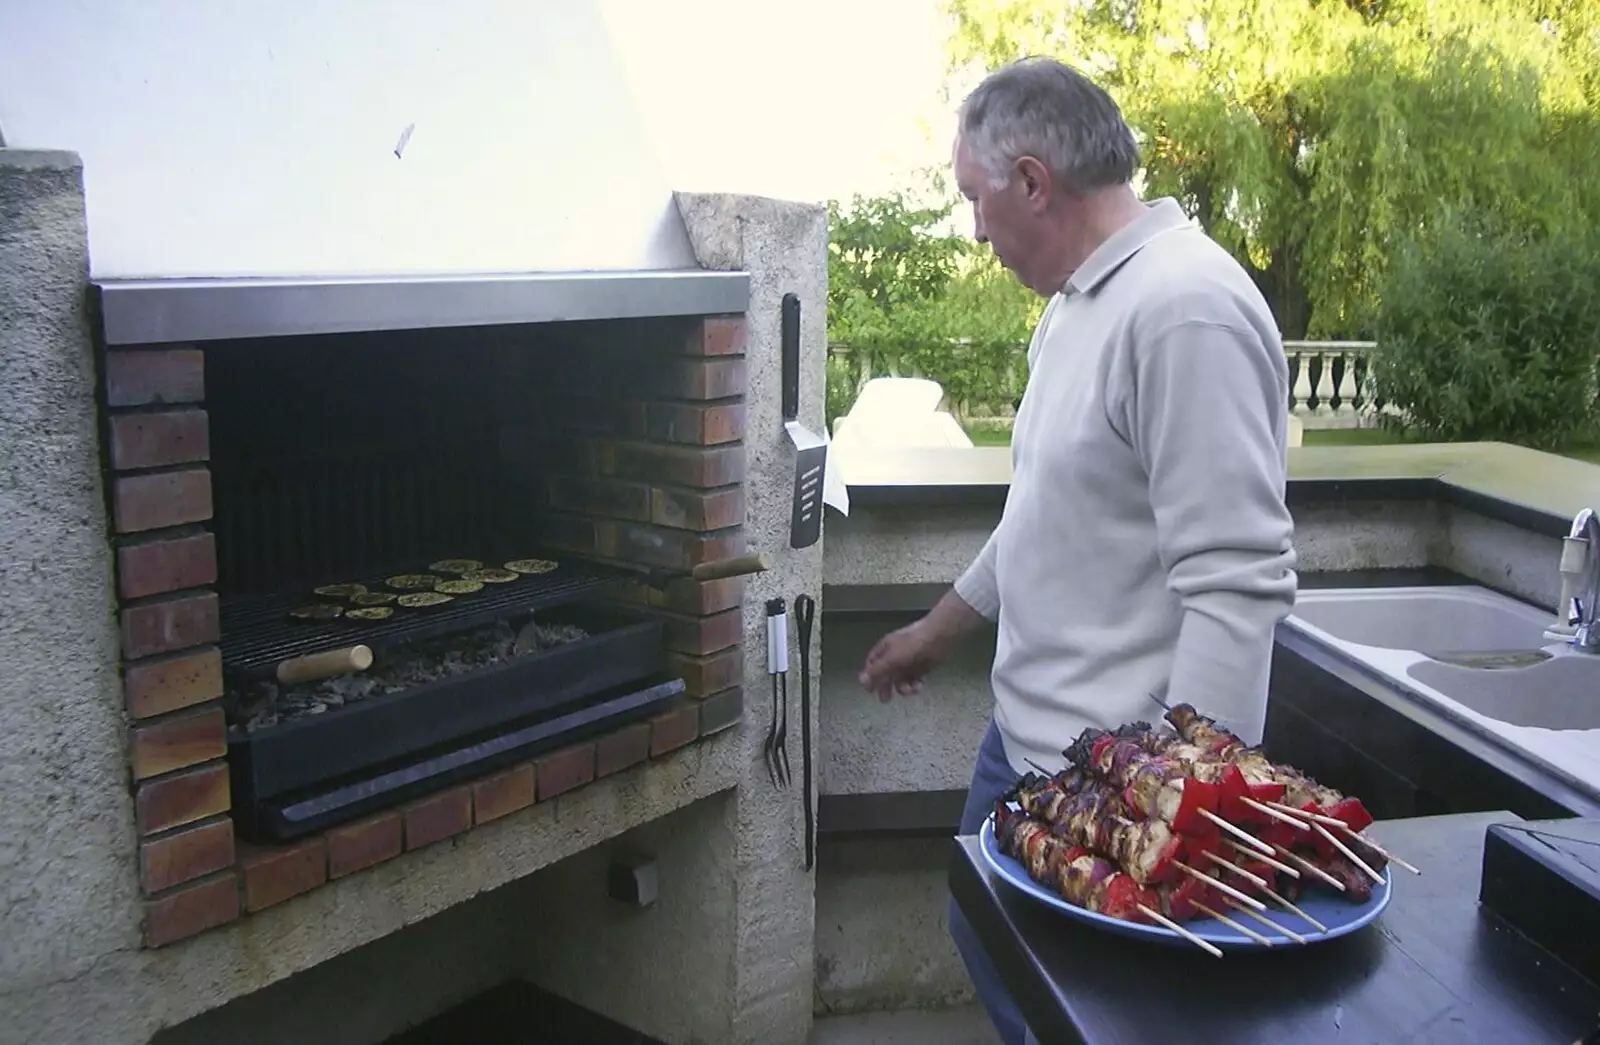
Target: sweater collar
[[1161, 216]]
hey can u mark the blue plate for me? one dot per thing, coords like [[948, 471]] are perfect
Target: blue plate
[[1326, 906]]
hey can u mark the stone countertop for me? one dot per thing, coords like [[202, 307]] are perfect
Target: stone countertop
[[1527, 488]]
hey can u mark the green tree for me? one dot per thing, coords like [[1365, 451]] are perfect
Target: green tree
[[908, 297], [1310, 137]]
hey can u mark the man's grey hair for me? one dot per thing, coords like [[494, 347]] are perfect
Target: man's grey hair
[[1042, 108]]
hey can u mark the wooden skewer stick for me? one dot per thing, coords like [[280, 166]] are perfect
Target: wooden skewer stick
[[1307, 865], [1263, 919], [1253, 879], [1042, 770], [1225, 887], [1232, 924], [1269, 861], [1318, 817], [1262, 807], [1381, 851], [1161, 919], [1242, 834], [1295, 910], [1348, 852]]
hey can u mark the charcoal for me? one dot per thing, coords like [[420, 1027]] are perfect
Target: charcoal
[[263, 704]]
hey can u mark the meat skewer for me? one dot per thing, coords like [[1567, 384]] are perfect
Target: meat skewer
[[1153, 787], [1125, 828], [1077, 875], [1091, 816], [1300, 790]]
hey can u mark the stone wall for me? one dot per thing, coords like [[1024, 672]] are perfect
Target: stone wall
[[77, 965]]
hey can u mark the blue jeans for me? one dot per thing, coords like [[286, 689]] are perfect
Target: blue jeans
[[992, 776]]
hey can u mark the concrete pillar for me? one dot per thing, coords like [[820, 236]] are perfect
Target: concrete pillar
[[784, 248], [68, 895]]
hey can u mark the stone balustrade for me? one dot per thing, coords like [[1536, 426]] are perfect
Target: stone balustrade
[[1328, 383]]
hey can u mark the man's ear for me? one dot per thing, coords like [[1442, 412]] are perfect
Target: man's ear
[[1035, 179]]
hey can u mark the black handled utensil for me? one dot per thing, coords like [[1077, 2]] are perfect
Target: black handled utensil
[[805, 612], [811, 453], [775, 748]]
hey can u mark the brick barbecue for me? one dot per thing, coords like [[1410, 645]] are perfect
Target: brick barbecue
[[235, 469]]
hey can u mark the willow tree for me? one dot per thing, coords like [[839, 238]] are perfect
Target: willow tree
[[1310, 137]]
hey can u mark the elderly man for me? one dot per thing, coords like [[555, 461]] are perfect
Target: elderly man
[[1145, 544]]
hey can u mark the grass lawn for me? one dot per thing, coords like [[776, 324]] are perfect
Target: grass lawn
[[996, 435]]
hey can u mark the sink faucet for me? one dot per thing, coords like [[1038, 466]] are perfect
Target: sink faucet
[[1580, 561]]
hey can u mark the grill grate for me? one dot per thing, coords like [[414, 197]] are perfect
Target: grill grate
[[258, 633]]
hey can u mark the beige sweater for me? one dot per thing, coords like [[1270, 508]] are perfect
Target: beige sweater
[[1145, 545]]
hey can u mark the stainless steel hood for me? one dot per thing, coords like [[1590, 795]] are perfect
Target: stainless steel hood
[[168, 311], [255, 170]]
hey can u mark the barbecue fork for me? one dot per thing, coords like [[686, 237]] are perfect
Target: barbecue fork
[[774, 748]]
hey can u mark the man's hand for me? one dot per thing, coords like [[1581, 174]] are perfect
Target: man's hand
[[902, 659]]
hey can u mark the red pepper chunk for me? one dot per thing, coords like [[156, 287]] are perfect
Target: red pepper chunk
[[1271, 791], [1122, 897], [1351, 811], [1198, 797], [1232, 790], [1279, 833], [1180, 902]]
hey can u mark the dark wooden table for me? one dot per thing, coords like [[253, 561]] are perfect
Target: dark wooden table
[[1433, 968]]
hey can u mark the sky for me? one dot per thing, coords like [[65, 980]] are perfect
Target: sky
[[806, 101]]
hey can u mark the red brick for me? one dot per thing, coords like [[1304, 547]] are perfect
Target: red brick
[[703, 635], [576, 413], [695, 597], [185, 855], [438, 817], [717, 336], [696, 425], [673, 729], [569, 533], [602, 497], [696, 466], [690, 598], [155, 567], [698, 509], [191, 910], [665, 547], [703, 676], [160, 439], [626, 747], [565, 770], [502, 794], [177, 742], [702, 379], [363, 844], [149, 502], [721, 711], [273, 875], [631, 418], [154, 687], [169, 625], [182, 798], [145, 378]]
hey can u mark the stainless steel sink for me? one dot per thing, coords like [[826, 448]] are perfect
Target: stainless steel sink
[[1560, 692], [1465, 619]]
